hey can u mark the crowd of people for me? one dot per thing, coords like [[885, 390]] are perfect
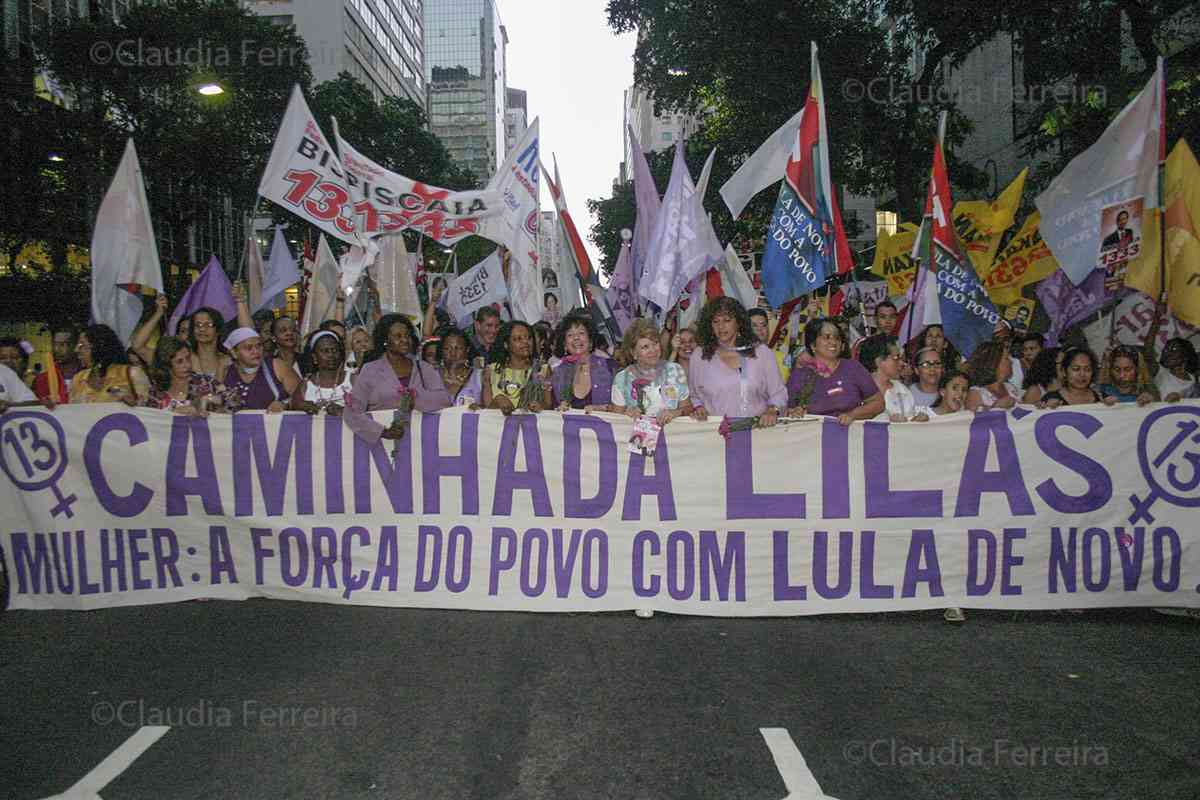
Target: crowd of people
[[722, 366]]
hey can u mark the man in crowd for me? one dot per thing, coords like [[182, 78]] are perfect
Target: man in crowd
[[63, 338], [886, 317], [487, 326], [13, 356]]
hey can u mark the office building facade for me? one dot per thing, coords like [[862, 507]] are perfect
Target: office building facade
[[466, 83]]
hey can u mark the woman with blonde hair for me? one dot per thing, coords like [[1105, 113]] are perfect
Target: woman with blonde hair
[[649, 385]]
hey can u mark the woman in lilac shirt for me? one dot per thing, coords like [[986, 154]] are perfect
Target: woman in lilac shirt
[[730, 374], [583, 379], [824, 381], [391, 365]]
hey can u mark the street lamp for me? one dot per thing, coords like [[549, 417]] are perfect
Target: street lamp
[[210, 89]]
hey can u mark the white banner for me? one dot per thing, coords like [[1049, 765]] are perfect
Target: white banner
[[104, 505], [481, 285]]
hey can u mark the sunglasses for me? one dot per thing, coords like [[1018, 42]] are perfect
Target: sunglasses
[[929, 364]]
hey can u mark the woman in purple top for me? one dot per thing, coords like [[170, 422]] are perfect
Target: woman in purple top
[[824, 381], [583, 379], [390, 366], [730, 374], [251, 383]]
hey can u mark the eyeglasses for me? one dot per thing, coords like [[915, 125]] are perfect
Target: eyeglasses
[[929, 364], [894, 356], [202, 325]]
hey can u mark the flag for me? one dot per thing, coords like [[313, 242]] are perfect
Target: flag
[[387, 202], [1120, 168], [803, 246], [947, 291], [682, 246], [894, 261], [481, 285], [865, 295], [394, 277], [255, 270], [981, 224], [1182, 194], [620, 290], [354, 264], [124, 254], [281, 273], [211, 289], [321, 300], [694, 297], [734, 280], [573, 253], [1024, 260], [1067, 303], [705, 172], [648, 203], [1129, 324], [762, 168], [305, 176], [516, 226]]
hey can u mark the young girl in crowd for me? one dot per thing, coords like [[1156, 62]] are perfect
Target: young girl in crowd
[[952, 394]]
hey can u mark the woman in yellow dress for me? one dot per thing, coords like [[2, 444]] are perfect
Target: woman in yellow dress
[[107, 376]]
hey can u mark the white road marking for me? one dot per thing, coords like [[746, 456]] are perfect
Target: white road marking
[[89, 786], [797, 777]]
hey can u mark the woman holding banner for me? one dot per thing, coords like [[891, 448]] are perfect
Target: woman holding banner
[[175, 386], [107, 376], [649, 385], [583, 378], [881, 354], [204, 340], [392, 376], [731, 374], [251, 383], [454, 365], [328, 381], [512, 378], [989, 369], [823, 381], [1076, 390]]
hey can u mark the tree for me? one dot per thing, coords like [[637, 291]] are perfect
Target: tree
[[201, 156]]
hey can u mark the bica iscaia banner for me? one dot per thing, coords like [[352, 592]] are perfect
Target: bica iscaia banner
[[103, 506]]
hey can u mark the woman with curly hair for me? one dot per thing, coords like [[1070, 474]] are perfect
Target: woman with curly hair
[[206, 329], [1176, 379], [731, 373], [989, 369], [1125, 382], [1043, 376], [824, 381], [107, 376], [583, 378], [392, 370], [512, 379]]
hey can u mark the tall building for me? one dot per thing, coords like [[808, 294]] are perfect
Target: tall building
[[465, 74], [379, 42], [516, 118], [654, 130]]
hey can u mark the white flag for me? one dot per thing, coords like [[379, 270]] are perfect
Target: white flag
[[705, 173], [1121, 167], [124, 253], [734, 280], [387, 202], [763, 168], [394, 278], [516, 228], [280, 273], [254, 270], [683, 245], [481, 285], [322, 290], [305, 176]]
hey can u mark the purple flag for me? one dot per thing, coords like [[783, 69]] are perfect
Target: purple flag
[[212, 290], [648, 204], [620, 290], [1066, 303]]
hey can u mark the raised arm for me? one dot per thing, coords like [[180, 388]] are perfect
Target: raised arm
[[141, 337]]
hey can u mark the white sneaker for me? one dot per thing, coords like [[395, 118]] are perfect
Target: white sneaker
[[644, 613], [954, 615]]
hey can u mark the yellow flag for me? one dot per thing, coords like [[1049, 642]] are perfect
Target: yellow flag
[[1024, 260], [1181, 199], [981, 224], [893, 258]]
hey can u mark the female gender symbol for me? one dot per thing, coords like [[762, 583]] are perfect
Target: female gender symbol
[[1173, 464], [33, 454]]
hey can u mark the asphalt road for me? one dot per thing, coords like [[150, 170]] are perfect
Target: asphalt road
[[269, 699]]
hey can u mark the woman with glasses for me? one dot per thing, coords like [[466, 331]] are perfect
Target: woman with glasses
[[823, 381], [881, 354], [208, 357], [929, 369]]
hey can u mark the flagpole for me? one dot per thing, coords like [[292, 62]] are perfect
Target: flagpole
[[1162, 174]]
